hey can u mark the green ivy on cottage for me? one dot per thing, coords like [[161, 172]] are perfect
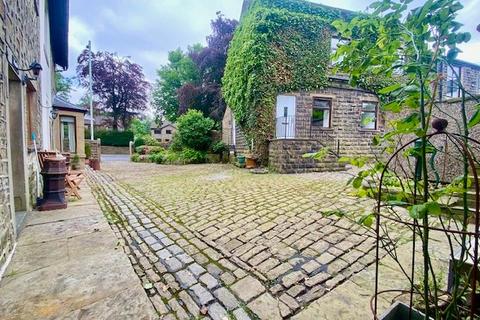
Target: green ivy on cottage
[[280, 46]]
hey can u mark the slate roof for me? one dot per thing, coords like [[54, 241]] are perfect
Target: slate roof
[[59, 103]]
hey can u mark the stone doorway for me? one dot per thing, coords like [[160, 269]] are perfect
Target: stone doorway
[[17, 145]]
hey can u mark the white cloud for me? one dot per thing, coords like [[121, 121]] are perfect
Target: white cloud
[[470, 52], [79, 34]]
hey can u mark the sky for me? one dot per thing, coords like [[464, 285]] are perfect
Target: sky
[[146, 30]]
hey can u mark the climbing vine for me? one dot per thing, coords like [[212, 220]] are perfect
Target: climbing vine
[[280, 46]]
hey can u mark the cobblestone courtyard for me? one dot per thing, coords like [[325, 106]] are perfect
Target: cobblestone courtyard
[[216, 239]]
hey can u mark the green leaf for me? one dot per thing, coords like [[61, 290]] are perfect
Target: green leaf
[[433, 208], [475, 118], [418, 211], [389, 89], [393, 106], [357, 182], [367, 220]]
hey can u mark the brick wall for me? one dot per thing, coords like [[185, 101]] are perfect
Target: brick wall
[[19, 38]]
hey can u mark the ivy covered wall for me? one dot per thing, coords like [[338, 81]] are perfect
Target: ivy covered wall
[[280, 46]]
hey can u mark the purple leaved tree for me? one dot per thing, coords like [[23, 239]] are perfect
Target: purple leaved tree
[[119, 85], [210, 61]]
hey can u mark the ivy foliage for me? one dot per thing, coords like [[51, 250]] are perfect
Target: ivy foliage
[[279, 46]]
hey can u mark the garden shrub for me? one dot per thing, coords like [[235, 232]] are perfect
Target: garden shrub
[[194, 130], [88, 150], [135, 157], [139, 142], [219, 147], [114, 138], [190, 156], [157, 158]]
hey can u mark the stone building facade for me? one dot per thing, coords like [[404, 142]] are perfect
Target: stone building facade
[[469, 74], [21, 112], [339, 117]]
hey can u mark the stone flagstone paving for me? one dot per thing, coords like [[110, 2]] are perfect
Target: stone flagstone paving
[[219, 242]]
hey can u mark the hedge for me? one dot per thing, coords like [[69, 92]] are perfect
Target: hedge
[[114, 138]]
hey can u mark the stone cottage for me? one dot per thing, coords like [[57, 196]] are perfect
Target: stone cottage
[[337, 116], [164, 133], [33, 40]]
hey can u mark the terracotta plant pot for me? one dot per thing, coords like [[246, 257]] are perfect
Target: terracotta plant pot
[[251, 163]]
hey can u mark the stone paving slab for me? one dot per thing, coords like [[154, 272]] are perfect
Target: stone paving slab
[[269, 230], [67, 266]]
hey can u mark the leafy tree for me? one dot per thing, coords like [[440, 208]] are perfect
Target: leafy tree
[[118, 83], [206, 95], [140, 128], [179, 71], [63, 85], [194, 131]]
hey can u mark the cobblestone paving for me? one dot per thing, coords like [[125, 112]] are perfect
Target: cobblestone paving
[[220, 240]]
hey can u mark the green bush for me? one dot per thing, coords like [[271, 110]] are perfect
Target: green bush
[[219, 147], [139, 142], [151, 141], [193, 130], [193, 156], [88, 150], [140, 127], [157, 158], [135, 157], [145, 141], [114, 138]]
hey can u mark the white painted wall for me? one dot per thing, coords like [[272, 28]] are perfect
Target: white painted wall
[[46, 76]]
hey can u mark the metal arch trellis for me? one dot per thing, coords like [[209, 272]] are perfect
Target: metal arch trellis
[[464, 143]]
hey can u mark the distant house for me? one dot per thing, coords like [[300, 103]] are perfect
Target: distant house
[[69, 127], [469, 76], [165, 132]]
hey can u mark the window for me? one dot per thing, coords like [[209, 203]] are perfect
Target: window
[[369, 116], [453, 89], [169, 132], [167, 140], [321, 113], [334, 45], [157, 131], [67, 134]]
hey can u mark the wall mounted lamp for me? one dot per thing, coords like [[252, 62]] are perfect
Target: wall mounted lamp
[[35, 67]]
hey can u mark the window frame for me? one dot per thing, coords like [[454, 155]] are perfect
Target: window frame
[[318, 123], [375, 112], [449, 90], [74, 132], [168, 131]]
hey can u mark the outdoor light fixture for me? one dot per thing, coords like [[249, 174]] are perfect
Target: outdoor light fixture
[[35, 67], [54, 114]]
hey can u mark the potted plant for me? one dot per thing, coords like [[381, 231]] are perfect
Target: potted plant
[[88, 153], [75, 162], [397, 53]]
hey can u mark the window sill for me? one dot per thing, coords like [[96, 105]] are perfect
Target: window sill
[[369, 130], [322, 128]]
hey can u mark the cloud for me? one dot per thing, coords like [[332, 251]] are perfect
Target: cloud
[[79, 34]]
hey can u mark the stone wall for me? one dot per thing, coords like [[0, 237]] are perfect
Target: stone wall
[[227, 123], [286, 156], [19, 40], [345, 129]]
